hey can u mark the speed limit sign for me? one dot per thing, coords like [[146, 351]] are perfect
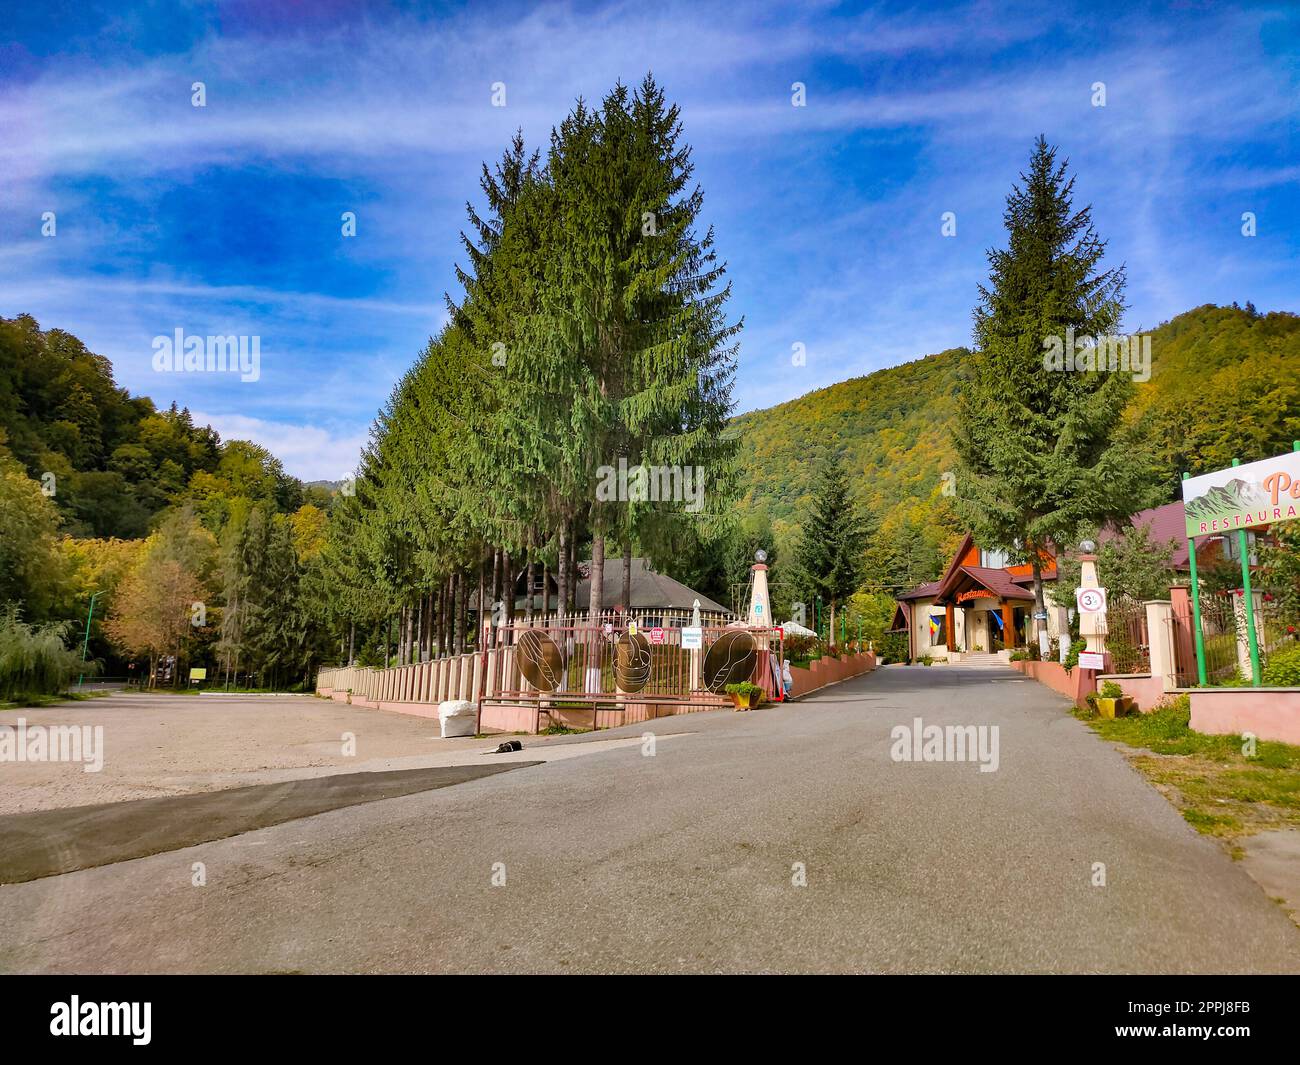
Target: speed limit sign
[[1090, 600]]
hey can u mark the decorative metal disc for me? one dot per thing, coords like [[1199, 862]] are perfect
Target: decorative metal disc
[[632, 662], [730, 660], [540, 660]]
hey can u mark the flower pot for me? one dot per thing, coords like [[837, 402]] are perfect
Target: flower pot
[[1112, 708]]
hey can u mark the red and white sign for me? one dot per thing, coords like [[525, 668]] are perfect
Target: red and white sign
[[656, 635], [1090, 600]]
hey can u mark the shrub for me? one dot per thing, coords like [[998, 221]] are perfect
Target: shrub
[[1110, 690], [1020, 654], [1282, 670], [745, 688], [33, 658], [801, 648], [1072, 656], [892, 647]]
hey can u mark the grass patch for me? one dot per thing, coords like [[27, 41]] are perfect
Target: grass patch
[[561, 730], [1220, 786], [37, 702]]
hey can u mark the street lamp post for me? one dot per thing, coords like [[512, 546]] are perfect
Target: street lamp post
[[85, 643]]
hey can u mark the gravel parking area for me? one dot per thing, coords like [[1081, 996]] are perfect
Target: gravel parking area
[[177, 744]]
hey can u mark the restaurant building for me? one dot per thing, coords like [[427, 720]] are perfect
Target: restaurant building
[[983, 604]]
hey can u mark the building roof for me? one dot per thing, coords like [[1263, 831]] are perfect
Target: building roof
[[1163, 524], [998, 581], [921, 591], [650, 590]]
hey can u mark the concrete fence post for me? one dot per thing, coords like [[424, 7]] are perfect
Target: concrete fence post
[[1160, 638], [1243, 629]]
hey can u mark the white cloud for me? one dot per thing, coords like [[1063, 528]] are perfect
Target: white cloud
[[309, 452]]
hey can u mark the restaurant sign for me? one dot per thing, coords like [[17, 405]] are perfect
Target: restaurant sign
[[1257, 493], [976, 593]]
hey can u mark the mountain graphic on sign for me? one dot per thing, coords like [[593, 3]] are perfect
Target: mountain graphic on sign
[[1235, 496]]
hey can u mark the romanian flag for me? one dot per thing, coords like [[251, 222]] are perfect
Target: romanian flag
[[936, 624]]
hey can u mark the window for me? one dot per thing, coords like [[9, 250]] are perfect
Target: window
[[993, 559]]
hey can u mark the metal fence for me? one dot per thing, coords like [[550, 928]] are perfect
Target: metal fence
[[1127, 638], [613, 662]]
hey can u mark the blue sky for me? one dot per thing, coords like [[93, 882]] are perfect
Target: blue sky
[[226, 218]]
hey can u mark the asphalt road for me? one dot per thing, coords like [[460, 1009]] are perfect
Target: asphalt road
[[687, 860]]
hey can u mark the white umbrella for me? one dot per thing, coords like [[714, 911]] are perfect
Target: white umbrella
[[793, 628]]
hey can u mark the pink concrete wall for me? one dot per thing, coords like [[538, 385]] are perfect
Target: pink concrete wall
[[1269, 713], [823, 671], [497, 718], [1073, 685], [1145, 690], [414, 709]]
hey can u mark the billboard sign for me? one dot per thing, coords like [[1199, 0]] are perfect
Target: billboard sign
[[1257, 493]]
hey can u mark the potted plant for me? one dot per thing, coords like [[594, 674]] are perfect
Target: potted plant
[[1112, 702], [745, 695]]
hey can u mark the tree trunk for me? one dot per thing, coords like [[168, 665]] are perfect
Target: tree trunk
[[572, 605], [458, 613], [595, 601], [627, 575], [528, 581], [508, 586], [546, 590], [1040, 604], [562, 562], [482, 577], [352, 642], [496, 590], [444, 645]]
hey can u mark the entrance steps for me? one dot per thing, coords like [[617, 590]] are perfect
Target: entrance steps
[[981, 660]]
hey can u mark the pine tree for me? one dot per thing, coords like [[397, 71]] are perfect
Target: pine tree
[[631, 316], [1042, 449], [829, 556]]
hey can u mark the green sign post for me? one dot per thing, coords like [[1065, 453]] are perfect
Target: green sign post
[[1232, 500]]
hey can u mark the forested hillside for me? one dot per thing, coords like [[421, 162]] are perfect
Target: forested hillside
[[1223, 385], [196, 548]]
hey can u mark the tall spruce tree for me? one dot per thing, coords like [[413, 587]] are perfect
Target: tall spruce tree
[[1042, 449], [631, 316], [829, 556]]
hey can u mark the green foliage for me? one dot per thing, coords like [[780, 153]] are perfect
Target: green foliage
[[1042, 449], [1282, 669], [592, 330], [892, 647], [34, 659], [892, 432], [829, 552], [1133, 565], [1280, 573], [31, 567], [1072, 655], [1110, 690], [116, 461]]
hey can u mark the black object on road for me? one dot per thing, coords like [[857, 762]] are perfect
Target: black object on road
[[507, 747]]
